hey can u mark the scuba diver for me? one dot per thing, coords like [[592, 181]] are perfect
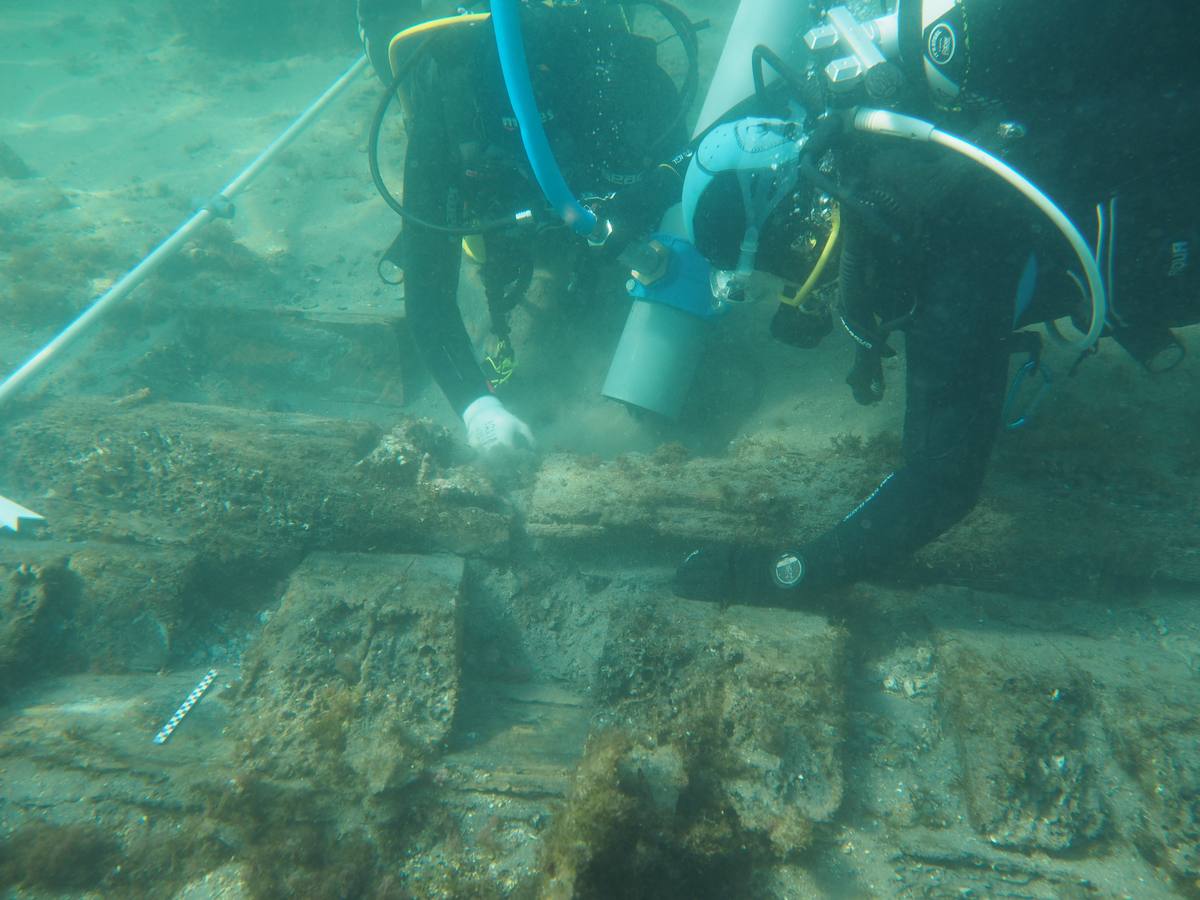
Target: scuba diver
[[957, 151], [475, 88]]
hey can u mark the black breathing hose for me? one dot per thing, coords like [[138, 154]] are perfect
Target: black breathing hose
[[800, 87], [402, 72], [685, 30], [680, 24], [866, 374]]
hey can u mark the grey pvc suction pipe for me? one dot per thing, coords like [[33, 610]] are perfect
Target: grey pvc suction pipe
[[13, 383]]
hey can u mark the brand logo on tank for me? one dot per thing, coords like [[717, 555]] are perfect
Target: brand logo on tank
[[1180, 250], [942, 44]]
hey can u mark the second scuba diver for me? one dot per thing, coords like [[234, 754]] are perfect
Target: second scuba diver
[[1099, 107], [610, 113]]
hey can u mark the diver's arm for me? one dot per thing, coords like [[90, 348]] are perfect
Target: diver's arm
[[432, 258], [636, 210], [955, 392], [652, 145], [957, 365], [956, 372], [434, 319]]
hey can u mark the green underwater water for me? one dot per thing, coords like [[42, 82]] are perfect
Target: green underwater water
[[439, 680]]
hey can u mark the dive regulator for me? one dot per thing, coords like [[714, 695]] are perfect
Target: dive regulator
[[926, 39]]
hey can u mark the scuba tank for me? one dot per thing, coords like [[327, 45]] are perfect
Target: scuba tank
[[778, 24], [965, 52]]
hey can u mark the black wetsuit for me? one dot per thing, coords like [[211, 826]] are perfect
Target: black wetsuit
[[937, 249], [610, 114], [1121, 120]]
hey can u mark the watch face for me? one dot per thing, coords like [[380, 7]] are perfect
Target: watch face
[[789, 570]]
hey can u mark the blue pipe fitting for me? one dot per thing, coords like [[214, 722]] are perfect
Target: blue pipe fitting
[[686, 284]]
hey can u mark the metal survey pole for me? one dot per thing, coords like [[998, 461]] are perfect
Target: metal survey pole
[[214, 208]]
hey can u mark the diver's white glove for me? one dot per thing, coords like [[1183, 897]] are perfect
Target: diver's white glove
[[491, 427]]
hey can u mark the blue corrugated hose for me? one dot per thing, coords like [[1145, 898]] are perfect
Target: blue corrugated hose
[[507, 24]]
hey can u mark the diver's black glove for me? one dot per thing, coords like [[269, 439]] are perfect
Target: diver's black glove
[[800, 327], [635, 209], [866, 377], [734, 573]]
